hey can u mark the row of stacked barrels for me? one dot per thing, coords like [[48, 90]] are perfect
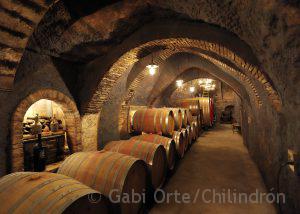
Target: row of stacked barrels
[[202, 107], [106, 181], [178, 124]]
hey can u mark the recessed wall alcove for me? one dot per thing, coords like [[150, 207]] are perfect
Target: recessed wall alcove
[[70, 123]]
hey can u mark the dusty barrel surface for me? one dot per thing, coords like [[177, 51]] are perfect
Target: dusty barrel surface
[[154, 121], [184, 117], [153, 154], [177, 118], [185, 138], [33, 192], [168, 143], [180, 143], [113, 174]]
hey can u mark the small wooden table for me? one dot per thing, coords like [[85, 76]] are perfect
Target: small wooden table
[[236, 128]]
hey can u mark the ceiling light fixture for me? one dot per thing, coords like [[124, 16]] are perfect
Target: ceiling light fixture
[[152, 68], [179, 83], [192, 89]]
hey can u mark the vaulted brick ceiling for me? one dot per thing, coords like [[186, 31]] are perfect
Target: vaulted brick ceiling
[[90, 30]]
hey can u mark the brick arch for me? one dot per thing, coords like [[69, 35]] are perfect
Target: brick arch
[[250, 85], [72, 118], [250, 71]]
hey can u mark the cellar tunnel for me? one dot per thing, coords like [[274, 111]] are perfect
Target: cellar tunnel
[[93, 59]]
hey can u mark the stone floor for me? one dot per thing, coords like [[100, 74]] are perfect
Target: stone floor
[[218, 162]]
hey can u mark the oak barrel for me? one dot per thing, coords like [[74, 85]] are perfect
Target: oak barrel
[[168, 143], [189, 118], [193, 131], [180, 143], [191, 104], [190, 134], [154, 121], [205, 104], [153, 154], [113, 174], [36, 192], [184, 117], [185, 138], [177, 118]]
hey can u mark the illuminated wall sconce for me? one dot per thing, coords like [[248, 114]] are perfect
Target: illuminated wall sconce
[[152, 69], [179, 83], [192, 89]]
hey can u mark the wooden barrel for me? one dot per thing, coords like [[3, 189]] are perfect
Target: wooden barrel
[[180, 143], [154, 121], [191, 104], [194, 131], [36, 192], [113, 174], [211, 107], [153, 154], [206, 110], [189, 118], [131, 110], [197, 130], [189, 134], [168, 143], [177, 118], [185, 138], [184, 117]]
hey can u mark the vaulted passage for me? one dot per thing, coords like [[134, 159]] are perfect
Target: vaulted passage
[[146, 96]]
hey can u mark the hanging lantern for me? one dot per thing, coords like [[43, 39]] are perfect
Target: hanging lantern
[[152, 69]]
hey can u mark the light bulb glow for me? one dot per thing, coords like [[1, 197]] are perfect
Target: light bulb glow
[[152, 69], [179, 83], [192, 89], [209, 81]]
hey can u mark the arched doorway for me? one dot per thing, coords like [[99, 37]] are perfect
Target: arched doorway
[[44, 102]]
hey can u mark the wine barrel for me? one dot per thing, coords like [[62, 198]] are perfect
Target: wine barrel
[[193, 131], [180, 143], [184, 117], [191, 104], [197, 121], [189, 118], [211, 107], [177, 118], [168, 143], [154, 121], [113, 174], [36, 192], [153, 154], [206, 110], [185, 138], [131, 110], [189, 134]]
